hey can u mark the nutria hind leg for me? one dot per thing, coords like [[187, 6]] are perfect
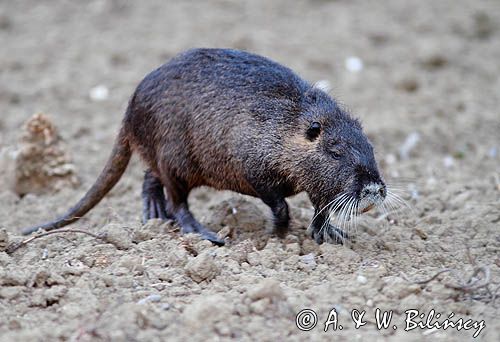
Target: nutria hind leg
[[322, 231], [274, 197], [154, 204], [177, 194]]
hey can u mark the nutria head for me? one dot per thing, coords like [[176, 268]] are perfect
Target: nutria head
[[332, 157]]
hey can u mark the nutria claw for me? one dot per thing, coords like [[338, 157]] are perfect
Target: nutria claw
[[330, 234], [209, 235], [190, 225]]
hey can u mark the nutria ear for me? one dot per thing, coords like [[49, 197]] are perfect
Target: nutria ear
[[323, 85], [313, 131]]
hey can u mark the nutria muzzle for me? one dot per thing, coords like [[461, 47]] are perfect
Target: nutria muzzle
[[372, 195]]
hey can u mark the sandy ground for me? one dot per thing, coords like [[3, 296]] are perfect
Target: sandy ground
[[430, 71]]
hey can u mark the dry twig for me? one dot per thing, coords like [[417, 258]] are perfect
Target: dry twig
[[479, 279], [16, 245]]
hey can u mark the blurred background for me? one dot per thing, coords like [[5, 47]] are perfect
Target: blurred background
[[423, 77], [428, 66]]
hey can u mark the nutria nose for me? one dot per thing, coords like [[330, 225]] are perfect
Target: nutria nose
[[374, 190]]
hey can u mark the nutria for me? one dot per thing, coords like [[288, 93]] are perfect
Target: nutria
[[237, 121]]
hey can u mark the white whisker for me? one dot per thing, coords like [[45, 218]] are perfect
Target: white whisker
[[337, 198], [399, 200], [351, 216], [344, 214], [331, 212], [356, 217]]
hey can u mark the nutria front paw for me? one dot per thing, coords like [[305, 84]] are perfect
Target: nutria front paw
[[329, 234]]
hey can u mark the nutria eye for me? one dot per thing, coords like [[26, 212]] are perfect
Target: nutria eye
[[313, 131], [336, 155]]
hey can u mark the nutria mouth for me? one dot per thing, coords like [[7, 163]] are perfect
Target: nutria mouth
[[368, 208]]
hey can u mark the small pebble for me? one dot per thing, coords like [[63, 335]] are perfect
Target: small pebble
[[154, 298], [448, 161], [45, 254], [353, 64], [362, 279], [99, 93], [308, 259]]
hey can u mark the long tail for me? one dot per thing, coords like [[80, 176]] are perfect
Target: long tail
[[110, 175]]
